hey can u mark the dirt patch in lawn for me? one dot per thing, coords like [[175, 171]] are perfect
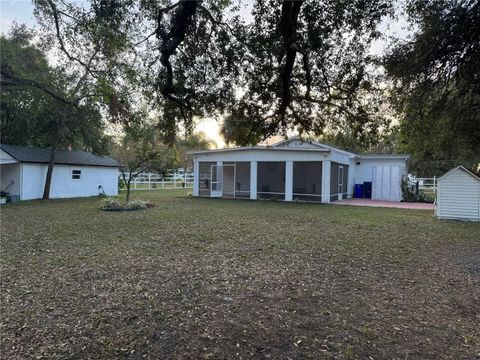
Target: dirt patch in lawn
[[218, 279]]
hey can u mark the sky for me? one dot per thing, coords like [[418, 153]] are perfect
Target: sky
[[21, 11]]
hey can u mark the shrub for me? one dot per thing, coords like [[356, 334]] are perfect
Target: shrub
[[411, 194], [137, 204], [121, 183], [110, 203]]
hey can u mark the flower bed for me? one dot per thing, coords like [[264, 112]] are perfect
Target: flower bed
[[110, 204]]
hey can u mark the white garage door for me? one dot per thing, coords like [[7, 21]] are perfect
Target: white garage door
[[387, 183]]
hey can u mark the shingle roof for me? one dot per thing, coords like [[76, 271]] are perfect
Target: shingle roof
[[42, 155]]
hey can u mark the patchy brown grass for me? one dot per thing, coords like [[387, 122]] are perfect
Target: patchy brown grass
[[222, 279]]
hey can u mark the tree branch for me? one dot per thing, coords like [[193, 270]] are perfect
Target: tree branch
[[8, 79]]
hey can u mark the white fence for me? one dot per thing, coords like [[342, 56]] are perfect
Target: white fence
[[428, 184], [153, 181], [425, 184]]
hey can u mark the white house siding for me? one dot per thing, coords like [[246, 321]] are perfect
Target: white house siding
[[290, 153], [63, 186], [364, 171], [11, 172], [458, 196], [262, 155]]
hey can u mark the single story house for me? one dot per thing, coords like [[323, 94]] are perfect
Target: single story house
[[458, 195], [296, 170], [75, 174]]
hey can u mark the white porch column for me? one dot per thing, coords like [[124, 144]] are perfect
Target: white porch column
[[253, 180], [196, 176], [351, 181], [326, 167], [288, 180], [220, 176]]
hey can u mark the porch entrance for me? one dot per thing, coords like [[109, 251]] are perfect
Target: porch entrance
[[230, 180]]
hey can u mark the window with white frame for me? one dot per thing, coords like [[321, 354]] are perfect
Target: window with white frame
[[76, 174]]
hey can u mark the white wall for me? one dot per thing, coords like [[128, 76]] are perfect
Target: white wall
[[10, 172], [63, 186], [356, 173], [458, 196], [364, 171], [5, 158], [274, 155], [262, 155]]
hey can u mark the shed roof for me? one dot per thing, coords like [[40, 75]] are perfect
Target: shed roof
[[42, 155], [459, 168]]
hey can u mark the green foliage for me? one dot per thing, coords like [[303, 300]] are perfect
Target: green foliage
[[437, 91], [307, 70], [30, 116], [410, 194], [196, 141], [137, 204], [300, 65], [121, 183], [110, 203]]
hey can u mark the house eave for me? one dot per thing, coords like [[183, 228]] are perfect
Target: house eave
[[70, 164], [256, 148], [383, 156]]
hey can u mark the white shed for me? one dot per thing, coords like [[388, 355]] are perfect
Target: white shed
[[458, 195], [75, 174]]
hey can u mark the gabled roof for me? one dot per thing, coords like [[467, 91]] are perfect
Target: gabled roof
[[328, 147], [262, 148], [313, 146], [42, 155], [459, 168], [313, 143]]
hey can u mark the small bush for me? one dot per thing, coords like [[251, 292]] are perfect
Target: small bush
[[121, 183], [137, 204], [110, 203], [411, 194]]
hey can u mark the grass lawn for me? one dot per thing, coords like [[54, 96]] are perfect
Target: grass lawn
[[223, 279]]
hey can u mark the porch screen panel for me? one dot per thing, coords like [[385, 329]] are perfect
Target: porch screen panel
[[345, 182], [338, 181], [242, 180], [334, 181], [307, 180], [204, 178], [271, 180]]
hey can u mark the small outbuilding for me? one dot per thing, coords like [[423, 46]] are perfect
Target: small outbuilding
[[295, 169], [75, 174], [458, 195]]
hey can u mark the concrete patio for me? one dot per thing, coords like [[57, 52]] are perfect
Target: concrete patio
[[387, 204]]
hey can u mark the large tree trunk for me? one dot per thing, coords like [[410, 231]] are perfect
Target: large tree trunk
[[48, 180]]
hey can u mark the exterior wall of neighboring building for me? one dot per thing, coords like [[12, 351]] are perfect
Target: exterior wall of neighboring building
[[458, 196], [63, 185], [8, 173]]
